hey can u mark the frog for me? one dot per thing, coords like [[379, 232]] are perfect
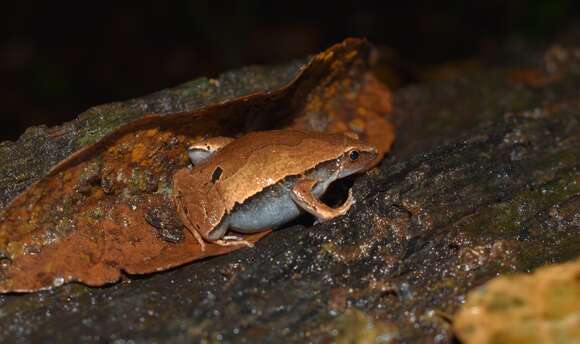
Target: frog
[[263, 180]]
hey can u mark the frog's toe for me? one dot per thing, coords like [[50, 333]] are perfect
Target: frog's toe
[[232, 238], [235, 242]]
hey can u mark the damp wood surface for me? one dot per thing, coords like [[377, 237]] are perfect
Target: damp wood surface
[[484, 179]]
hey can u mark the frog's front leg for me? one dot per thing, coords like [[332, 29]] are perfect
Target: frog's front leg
[[303, 196]]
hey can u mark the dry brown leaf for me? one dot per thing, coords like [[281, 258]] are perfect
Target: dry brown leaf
[[107, 208]]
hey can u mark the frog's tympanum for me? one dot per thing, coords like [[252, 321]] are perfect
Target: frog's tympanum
[[263, 180]]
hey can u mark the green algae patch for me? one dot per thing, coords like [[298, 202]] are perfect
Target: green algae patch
[[510, 217], [355, 327]]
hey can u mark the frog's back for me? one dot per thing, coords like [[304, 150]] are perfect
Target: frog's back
[[260, 159]]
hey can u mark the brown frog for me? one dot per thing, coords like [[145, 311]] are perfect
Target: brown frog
[[263, 180]]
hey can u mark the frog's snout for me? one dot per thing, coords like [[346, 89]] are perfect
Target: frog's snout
[[371, 153]]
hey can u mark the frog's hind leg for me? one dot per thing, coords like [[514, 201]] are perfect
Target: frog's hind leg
[[187, 223], [218, 237], [303, 196]]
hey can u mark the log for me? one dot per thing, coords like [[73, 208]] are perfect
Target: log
[[484, 179]]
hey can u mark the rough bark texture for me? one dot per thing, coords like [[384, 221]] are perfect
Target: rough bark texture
[[484, 179]]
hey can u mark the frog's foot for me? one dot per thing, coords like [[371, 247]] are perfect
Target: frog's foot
[[232, 240], [302, 195]]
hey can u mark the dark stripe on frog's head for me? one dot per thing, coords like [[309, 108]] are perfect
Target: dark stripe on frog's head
[[217, 173]]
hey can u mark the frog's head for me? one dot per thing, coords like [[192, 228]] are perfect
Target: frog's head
[[357, 157]]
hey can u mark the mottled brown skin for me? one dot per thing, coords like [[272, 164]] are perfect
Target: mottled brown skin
[[245, 167]]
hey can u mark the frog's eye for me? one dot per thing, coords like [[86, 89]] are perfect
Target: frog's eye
[[353, 155]]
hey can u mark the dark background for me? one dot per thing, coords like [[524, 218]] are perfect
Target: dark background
[[57, 60]]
